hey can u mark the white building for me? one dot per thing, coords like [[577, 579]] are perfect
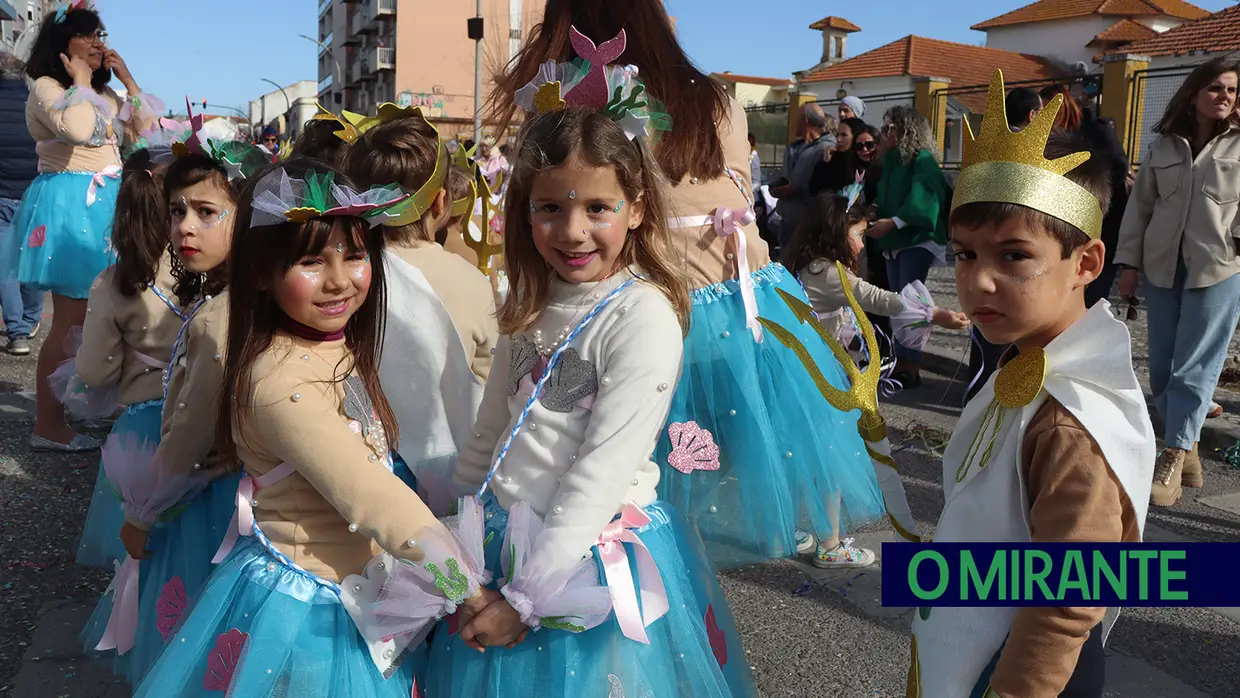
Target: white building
[[287, 109], [1077, 31], [19, 22]]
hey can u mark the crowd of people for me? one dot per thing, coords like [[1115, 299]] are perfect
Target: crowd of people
[[342, 459]]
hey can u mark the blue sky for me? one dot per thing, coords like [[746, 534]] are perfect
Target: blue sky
[[220, 50]]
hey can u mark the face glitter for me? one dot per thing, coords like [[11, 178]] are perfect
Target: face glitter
[[340, 247], [600, 225], [572, 193], [618, 207], [1036, 273]]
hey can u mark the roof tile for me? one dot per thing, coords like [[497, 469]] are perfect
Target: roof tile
[[1123, 31], [1217, 32], [834, 22], [1048, 10]]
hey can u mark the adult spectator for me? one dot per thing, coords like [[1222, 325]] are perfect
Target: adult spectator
[[1022, 105], [839, 167], [851, 108], [270, 142], [1177, 238], [22, 306], [799, 163], [912, 215], [755, 162], [1070, 115], [62, 236], [491, 162]]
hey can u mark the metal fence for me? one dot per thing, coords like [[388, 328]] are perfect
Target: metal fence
[[968, 102], [1152, 92]]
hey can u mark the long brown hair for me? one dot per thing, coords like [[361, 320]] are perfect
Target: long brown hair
[[261, 255], [141, 227], [696, 103], [823, 233], [1180, 118], [548, 142], [186, 172], [1070, 115]]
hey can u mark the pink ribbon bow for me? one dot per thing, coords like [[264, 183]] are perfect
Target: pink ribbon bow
[[123, 621], [242, 523], [113, 171], [731, 224], [615, 559]]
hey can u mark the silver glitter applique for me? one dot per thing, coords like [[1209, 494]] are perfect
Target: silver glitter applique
[[521, 363], [572, 380], [359, 408]]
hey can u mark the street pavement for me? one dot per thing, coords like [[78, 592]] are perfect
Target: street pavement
[[807, 633]]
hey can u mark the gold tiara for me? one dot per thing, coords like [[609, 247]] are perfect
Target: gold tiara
[[347, 133], [1000, 166], [417, 205]]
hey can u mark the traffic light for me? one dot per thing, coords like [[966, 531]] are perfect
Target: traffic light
[[204, 105]]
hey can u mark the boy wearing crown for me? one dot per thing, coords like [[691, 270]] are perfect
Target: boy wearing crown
[[1057, 446]]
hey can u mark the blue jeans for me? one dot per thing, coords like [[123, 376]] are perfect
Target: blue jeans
[[21, 307], [1189, 332], [910, 264]]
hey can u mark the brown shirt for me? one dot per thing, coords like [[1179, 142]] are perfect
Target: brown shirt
[[1074, 496], [465, 292], [296, 416], [118, 328]]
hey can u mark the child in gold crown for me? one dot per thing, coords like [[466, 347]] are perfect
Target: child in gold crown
[[1057, 446]]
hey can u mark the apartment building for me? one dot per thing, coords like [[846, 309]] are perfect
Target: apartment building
[[407, 52], [19, 22]]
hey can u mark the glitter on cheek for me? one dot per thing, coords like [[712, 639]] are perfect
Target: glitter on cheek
[[601, 225], [360, 272], [311, 277], [1036, 273], [618, 207]]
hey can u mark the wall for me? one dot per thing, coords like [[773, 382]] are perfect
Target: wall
[[879, 94], [1160, 24], [749, 94], [435, 58], [301, 107], [1063, 40]]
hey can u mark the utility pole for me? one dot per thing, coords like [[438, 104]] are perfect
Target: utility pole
[[476, 33]]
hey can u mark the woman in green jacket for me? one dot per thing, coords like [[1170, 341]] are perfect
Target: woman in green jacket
[[911, 229]]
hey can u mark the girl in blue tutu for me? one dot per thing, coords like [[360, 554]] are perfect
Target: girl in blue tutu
[[606, 589], [785, 456], [176, 507], [131, 324], [62, 235], [280, 615]]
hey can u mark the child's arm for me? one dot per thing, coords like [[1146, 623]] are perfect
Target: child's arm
[[100, 357], [490, 426], [488, 334], [871, 298], [1075, 497], [69, 113], [826, 294], [641, 359], [193, 405]]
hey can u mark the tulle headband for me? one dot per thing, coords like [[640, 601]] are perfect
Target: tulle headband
[[239, 159], [591, 83], [63, 11], [279, 199]]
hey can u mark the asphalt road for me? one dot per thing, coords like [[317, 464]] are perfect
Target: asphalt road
[[828, 637]]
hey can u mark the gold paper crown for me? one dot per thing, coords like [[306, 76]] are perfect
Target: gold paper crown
[[347, 133], [1000, 166], [416, 206]]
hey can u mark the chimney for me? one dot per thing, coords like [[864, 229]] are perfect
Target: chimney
[[835, 31]]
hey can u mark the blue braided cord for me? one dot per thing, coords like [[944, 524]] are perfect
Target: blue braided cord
[[293, 566], [168, 302], [177, 345], [555, 358]]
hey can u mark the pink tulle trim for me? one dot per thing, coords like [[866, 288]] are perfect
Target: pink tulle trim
[[145, 107], [80, 400]]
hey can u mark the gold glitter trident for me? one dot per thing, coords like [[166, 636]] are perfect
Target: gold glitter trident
[[862, 394], [485, 249]]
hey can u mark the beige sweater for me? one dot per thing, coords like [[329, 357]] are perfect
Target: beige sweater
[[192, 408], [705, 257], [465, 292], [116, 327], [78, 138], [296, 415], [826, 295]]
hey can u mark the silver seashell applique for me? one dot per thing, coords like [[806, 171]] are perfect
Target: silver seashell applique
[[573, 379], [357, 404], [524, 356]]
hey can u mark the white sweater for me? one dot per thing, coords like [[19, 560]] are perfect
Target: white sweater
[[574, 463]]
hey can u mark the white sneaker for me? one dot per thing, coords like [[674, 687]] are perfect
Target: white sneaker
[[843, 556]]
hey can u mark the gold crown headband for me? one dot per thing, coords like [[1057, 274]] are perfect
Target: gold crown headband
[[1000, 166], [461, 158], [417, 205], [347, 133]]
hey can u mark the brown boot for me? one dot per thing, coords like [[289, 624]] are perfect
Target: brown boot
[[1193, 474], [1168, 470]]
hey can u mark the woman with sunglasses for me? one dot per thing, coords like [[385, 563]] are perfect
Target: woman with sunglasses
[[62, 236]]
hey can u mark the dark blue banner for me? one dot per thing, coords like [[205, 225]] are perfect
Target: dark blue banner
[[1061, 574]]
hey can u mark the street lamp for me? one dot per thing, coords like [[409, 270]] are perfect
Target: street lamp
[[339, 75], [288, 105]]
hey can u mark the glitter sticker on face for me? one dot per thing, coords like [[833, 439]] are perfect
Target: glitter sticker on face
[[572, 193], [618, 207]]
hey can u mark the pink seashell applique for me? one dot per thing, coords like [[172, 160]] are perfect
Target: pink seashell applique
[[170, 606], [223, 660], [693, 448], [718, 642], [38, 236]]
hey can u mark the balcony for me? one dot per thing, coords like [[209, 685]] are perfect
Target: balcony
[[385, 59], [324, 6], [376, 9], [326, 43], [353, 28], [325, 84]]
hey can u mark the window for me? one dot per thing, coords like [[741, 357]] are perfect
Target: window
[[837, 47]]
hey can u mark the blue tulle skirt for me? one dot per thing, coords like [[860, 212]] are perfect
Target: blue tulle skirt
[[172, 576], [270, 631], [787, 458], [101, 544], [694, 649], [60, 244]]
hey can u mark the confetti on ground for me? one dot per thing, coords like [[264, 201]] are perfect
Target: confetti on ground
[[806, 588]]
